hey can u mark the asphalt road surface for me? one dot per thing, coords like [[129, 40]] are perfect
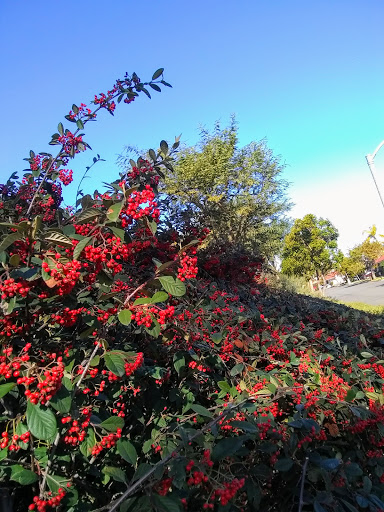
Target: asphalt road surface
[[370, 292]]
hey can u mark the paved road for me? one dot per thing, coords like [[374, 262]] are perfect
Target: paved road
[[370, 292]]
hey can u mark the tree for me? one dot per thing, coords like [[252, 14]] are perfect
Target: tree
[[236, 192], [367, 253], [310, 248]]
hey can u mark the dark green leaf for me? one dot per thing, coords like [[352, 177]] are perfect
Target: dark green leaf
[[23, 476], [157, 73], [6, 388], [115, 363], [41, 422], [284, 464], [126, 449], [112, 423], [201, 410], [80, 246], [116, 473]]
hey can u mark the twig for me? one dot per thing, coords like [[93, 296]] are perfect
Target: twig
[[49, 464], [301, 500]]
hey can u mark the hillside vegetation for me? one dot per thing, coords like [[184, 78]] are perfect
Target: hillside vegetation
[[148, 368]]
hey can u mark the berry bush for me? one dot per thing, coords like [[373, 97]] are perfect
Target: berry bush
[[140, 373]]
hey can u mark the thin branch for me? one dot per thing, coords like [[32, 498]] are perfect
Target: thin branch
[[301, 499]]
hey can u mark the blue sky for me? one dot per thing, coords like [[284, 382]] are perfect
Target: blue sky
[[308, 76]]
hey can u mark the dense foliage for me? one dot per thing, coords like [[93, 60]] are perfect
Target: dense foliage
[[310, 248], [133, 380], [237, 192]]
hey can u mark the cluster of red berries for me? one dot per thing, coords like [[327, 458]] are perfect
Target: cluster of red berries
[[41, 505], [69, 141], [66, 275], [76, 433], [166, 314], [10, 288], [67, 317], [66, 176], [194, 366], [107, 442], [130, 368], [82, 110], [132, 210], [142, 318], [230, 489], [188, 269], [164, 486], [11, 442], [104, 315], [48, 387], [145, 171]]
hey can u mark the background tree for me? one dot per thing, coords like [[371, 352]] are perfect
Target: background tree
[[236, 192], [310, 248], [367, 253]]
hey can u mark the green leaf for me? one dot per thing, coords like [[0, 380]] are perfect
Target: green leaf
[[112, 423], [62, 400], [60, 128], [157, 73], [173, 286], [41, 422], [366, 355], [142, 300], [58, 239], [56, 481], [246, 426], [116, 473], [159, 297], [164, 147], [125, 316], [80, 124], [22, 476], [80, 246], [118, 232], [166, 503], [114, 211], [126, 449], [115, 363], [284, 464], [9, 240], [88, 443], [329, 464], [14, 260], [6, 388], [155, 329], [227, 447], [201, 410], [216, 337], [238, 368], [152, 225], [155, 87], [87, 215], [352, 470], [178, 362], [349, 506]]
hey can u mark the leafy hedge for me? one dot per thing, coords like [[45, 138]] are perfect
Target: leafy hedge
[[130, 380]]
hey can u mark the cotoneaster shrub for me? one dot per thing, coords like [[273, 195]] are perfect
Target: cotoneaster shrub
[[133, 380]]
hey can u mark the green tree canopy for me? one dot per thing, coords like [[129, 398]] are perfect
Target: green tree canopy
[[238, 193], [310, 248]]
